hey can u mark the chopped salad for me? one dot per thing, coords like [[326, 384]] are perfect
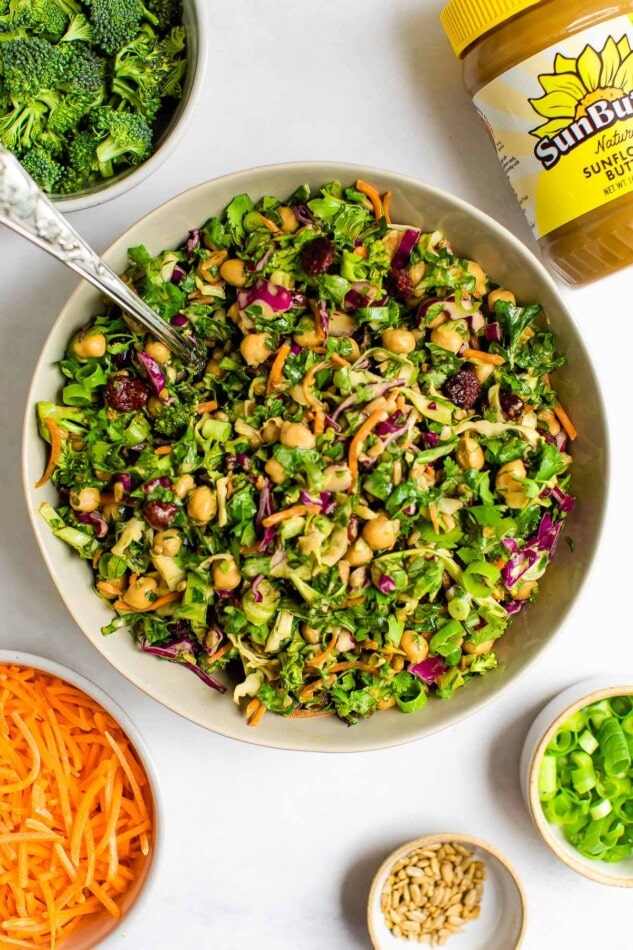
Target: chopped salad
[[347, 507]]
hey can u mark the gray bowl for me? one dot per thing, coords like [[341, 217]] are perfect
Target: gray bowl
[[195, 18], [473, 235]]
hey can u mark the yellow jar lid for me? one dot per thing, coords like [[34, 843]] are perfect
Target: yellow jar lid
[[465, 21]]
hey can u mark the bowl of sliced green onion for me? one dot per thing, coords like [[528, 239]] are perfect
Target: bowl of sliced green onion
[[577, 778]]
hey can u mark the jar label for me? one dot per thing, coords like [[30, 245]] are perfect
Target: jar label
[[562, 124]]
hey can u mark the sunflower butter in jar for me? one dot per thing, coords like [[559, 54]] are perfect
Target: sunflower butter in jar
[[553, 82]]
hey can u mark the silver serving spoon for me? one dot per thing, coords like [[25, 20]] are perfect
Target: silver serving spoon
[[26, 209]]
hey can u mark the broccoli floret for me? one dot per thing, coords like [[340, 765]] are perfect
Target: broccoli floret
[[28, 65], [79, 29], [44, 169], [21, 127], [173, 420], [168, 12], [140, 72], [174, 48], [48, 17], [66, 417], [116, 22], [82, 163], [16, 14], [129, 137], [80, 69]]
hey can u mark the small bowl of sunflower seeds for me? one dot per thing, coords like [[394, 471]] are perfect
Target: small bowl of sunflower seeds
[[447, 889]]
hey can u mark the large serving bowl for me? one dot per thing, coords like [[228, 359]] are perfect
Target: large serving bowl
[[194, 18], [473, 235]]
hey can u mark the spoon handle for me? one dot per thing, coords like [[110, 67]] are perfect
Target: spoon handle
[[25, 209]]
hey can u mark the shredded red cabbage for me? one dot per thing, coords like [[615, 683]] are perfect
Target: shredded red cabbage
[[178, 274], [429, 670], [96, 519], [264, 291], [193, 242], [162, 482], [325, 501], [153, 372], [493, 333], [174, 651], [386, 584], [564, 501], [303, 214], [124, 479], [403, 252], [257, 594]]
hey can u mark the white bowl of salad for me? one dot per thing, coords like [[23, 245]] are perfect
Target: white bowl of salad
[[372, 509]]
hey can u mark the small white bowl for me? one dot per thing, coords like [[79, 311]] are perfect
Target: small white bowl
[[96, 927], [501, 924], [543, 729], [195, 20]]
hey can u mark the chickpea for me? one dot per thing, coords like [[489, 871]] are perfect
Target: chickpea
[[398, 341], [87, 499], [469, 454], [167, 542], [437, 321], [111, 512], [91, 346], [481, 281], [550, 421], [355, 354], [270, 432], [381, 533], [276, 471], [508, 485], [158, 351], [414, 645], [184, 485], [310, 634], [341, 324], [397, 663], [479, 650], [506, 295], [337, 478], [483, 371], [289, 221], [294, 435], [226, 574], [451, 335], [232, 271], [359, 553], [525, 590], [202, 505], [357, 577], [137, 597], [254, 348], [416, 272], [386, 703], [213, 368], [307, 335]]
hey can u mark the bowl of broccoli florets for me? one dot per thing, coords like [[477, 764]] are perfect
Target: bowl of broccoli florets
[[94, 94]]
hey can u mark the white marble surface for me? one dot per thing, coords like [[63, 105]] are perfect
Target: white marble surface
[[272, 850]]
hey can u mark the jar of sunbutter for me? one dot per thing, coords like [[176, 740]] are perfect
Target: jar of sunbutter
[[553, 82]]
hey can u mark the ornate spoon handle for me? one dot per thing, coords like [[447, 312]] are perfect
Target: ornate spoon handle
[[25, 209]]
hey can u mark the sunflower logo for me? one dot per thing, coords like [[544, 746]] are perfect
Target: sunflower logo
[[576, 84]]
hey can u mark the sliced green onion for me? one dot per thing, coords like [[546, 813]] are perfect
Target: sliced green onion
[[476, 570], [586, 780], [414, 699]]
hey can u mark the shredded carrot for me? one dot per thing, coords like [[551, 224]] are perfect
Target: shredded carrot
[[209, 406], [386, 205], [493, 359], [373, 196], [320, 658], [255, 712], [339, 360], [566, 422], [361, 251], [220, 653], [75, 809], [276, 379], [169, 598], [354, 665], [319, 422], [163, 450], [272, 227], [307, 382], [56, 448], [308, 691], [362, 433], [295, 511]]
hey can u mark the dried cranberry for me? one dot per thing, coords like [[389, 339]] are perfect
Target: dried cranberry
[[126, 393], [511, 404], [124, 358], [464, 389], [318, 256], [400, 284], [179, 629], [160, 514]]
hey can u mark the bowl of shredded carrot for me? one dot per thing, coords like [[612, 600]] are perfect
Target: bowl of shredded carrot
[[77, 808]]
